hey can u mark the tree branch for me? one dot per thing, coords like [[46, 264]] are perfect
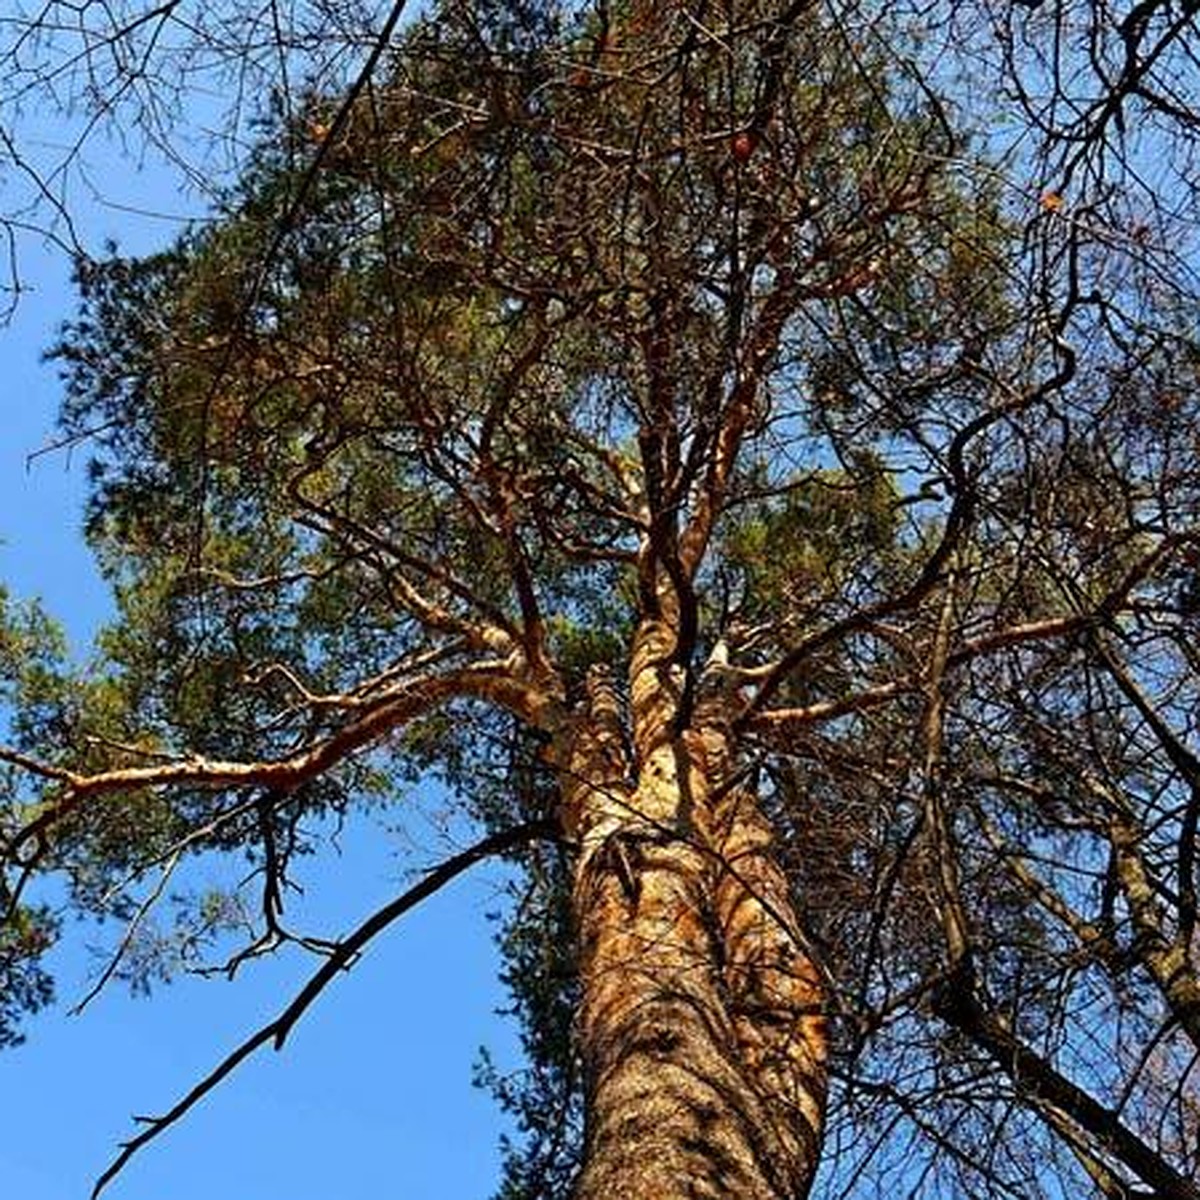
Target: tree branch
[[398, 705], [342, 959]]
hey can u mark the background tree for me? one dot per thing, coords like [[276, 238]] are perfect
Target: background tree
[[770, 506]]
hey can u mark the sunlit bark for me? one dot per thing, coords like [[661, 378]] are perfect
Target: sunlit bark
[[701, 1026]]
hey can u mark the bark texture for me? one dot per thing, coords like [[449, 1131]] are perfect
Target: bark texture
[[701, 1027]]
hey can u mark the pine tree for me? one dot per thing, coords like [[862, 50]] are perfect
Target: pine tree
[[658, 422]]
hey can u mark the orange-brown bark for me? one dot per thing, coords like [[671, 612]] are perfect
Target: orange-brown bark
[[701, 1026]]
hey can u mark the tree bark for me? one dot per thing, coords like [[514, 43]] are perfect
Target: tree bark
[[701, 1027]]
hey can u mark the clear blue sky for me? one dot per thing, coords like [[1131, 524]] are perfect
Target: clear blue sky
[[372, 1095]]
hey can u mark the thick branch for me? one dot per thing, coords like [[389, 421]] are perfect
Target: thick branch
[[958, 1005], [395, 707]]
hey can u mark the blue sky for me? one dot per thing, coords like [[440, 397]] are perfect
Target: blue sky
[[372, 1094]]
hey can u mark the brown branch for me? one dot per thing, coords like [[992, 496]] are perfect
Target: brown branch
[[773, 674], [1167, 960], [1012, 859], [958, 1005], [1188, 765], [884, 693], [958, 520], [949, 906], [427, 611], [824, 710], [342, 959], [764, 344], [398, 705]]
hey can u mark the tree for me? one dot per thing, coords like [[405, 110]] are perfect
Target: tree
[[694, 437]]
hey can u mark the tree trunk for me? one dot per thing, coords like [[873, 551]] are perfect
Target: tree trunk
[[701, 1026]]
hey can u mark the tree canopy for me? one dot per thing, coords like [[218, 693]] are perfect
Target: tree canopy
[[748, 454]]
